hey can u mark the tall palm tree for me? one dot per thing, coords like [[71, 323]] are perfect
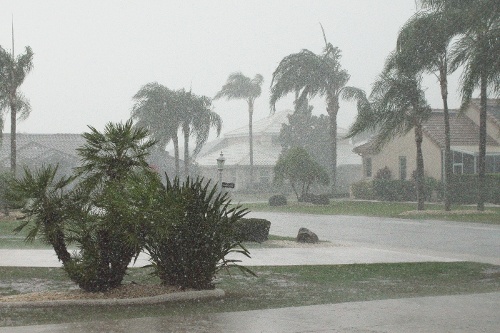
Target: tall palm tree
[[238, 86], [476, 49], [397, 106], [197, 119], [156, 109], [13, 71], [423, 45], [316, 74]]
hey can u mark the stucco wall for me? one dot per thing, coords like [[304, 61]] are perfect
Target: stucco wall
[[405, 146]]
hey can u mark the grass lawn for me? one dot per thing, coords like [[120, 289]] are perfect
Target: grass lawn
[[275, 287], [11, 240], [384, 209]]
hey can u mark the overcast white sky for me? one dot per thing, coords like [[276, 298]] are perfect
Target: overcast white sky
[[92, 56]]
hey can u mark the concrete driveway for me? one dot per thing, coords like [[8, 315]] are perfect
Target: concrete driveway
[[453, 240]]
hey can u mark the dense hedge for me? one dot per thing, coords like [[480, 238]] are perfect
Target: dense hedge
[[252, 229], [317, 199], [464, 189], [277, 200], [363, 190]]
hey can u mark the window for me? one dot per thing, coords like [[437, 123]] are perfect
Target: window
[[493, 164], [402, 167], [264, 177], [463, 163], [368, 166]]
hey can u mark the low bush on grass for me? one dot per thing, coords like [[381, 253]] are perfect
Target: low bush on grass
[[252, 230], [277, 200]]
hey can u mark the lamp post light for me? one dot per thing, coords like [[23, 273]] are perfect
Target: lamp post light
[[220, 166]]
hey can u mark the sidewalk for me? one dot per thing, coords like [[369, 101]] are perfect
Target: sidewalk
[[463, 313], [330, 255]]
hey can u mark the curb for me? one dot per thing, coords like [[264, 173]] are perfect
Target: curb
[[171, 297]]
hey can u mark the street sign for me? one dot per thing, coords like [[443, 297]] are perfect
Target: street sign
[[227, 185]]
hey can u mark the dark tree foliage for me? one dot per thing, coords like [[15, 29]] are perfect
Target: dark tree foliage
[[307, 131]]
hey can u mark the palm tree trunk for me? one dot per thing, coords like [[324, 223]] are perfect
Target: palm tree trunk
[[13, 141], [250, 139], [482, 145], [186, 131], [175, 140], [443, 80], [420, 167], [332, 110]]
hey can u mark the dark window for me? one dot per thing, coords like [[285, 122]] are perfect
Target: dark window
[[468, 163], [368, 166], [402, 167]]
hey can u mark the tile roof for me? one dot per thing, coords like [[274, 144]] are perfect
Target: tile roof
[[492, 107], [238, 154], [268, 125], [463, 131], [35, 145]]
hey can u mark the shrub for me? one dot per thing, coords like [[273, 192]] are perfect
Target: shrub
[[252, 230], [317, 199], [189, 246], [394, 190], [277, 200], [384, 173], [464, 189], [363, 190]]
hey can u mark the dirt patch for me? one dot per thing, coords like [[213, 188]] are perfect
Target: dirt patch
[[127, 291]]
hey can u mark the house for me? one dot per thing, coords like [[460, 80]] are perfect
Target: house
[[399, 155], [35, 150], [267, 148]]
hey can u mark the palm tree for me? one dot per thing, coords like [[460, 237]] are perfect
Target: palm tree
[[476, 49], [238, 86], [423, 45], [197, 119], [156, 109], [312, 74], [398, 106], [13, 71]]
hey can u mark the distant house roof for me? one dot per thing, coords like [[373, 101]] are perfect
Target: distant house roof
[[36, 146], [492, 107], [463, 132], [238, 154], [268, 125]]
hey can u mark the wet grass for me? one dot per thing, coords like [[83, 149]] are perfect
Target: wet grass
[[11, 240], [275, 287], [383, 209]]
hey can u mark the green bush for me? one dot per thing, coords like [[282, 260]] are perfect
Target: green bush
[[394, 190], [277, 200], [317, 199], [384, 173], [464, 189], [363, 190], [190, 245], [252, 229]]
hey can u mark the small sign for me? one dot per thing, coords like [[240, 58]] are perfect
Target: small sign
[[227, 185]]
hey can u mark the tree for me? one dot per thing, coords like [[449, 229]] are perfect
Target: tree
[[311, 74], [196, 119], [238, 86], [13, 71], [155, 109], [307, 131], [476, 49], [300, 170], [423, 44], [398, 106]]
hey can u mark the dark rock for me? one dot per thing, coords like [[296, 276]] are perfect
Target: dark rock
[[307, 236]]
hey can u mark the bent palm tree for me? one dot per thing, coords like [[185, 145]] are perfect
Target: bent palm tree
[[398, 106], [156, 109], [13, 71], [197, 119], [423, 47], [476, 49], [238, 86], [311, 74]]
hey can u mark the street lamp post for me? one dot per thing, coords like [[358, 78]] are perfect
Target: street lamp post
[[220, 166]]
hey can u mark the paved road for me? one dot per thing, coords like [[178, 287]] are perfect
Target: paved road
[[458, 314], [456, 240]]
